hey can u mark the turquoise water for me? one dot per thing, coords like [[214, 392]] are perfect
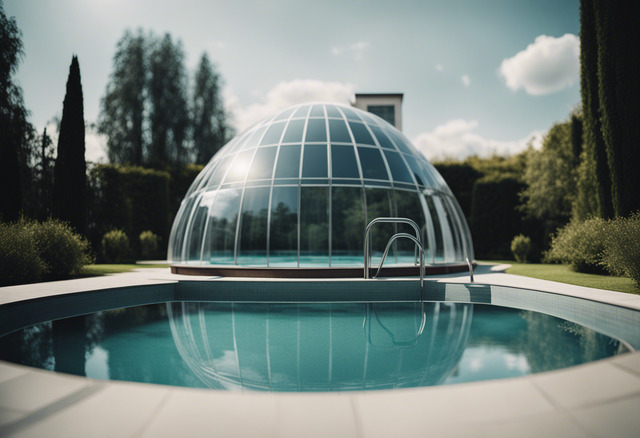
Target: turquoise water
[[307, 347]]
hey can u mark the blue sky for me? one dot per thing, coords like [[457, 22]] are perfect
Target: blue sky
[[478, 76]]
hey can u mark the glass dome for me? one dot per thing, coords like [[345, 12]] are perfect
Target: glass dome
[[299, 188]]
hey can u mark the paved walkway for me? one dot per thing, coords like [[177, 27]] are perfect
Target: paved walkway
[[600, 399]]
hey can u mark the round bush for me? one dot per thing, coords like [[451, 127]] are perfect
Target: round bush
[[115, 246], [19, 259], [521, 247], [63, 252], [580, 245], [149, 246]]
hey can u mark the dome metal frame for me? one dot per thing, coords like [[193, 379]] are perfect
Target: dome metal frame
[[295, 192]]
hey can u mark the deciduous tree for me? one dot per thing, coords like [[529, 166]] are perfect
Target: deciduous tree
[[122, 113], [168, 115], [210, 127], [15, 130]]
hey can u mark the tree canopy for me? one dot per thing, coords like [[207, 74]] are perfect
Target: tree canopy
[[147, 113], [211, 129], [14, 126]]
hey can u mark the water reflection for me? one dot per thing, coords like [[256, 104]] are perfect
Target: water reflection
[[320, 347], [307, 347]]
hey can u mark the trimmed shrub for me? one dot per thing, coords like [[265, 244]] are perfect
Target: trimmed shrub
[[495, 218], [622, 247], [115, 246], [63, 252], [580, 245], [19, 259], [132, 199], [521, 247], [149, 245]]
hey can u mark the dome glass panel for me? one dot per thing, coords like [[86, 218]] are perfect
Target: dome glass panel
[[298, 190]]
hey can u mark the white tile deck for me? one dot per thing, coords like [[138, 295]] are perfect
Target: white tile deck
[[596, 399]]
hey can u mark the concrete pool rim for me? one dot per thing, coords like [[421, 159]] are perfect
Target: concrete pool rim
[[594, 399]]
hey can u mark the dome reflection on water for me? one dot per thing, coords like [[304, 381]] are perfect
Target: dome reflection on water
[[320, 347]]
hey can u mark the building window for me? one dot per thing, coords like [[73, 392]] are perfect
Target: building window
[[385, 112]]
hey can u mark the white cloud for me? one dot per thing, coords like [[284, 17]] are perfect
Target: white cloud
[[95, 146], [546, 66], [286, 94], [216, 45], [355, 50], [466, 80], [456, 139], [439, 67]]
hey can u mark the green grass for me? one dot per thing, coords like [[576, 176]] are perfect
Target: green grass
[[563, 274], [105, 269]]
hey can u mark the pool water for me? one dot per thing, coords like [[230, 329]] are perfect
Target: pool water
[[307, 346]]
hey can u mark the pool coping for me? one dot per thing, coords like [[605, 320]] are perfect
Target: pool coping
[[596, 399]]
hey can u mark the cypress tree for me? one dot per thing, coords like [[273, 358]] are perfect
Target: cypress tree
[[594, 141], [576, 137], [618, 36], [70, 178]]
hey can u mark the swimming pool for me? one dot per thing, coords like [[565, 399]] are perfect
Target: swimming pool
[[299, 347], [595, 399], [366, 300]]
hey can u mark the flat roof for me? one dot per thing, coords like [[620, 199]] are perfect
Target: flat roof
[[400, 95]]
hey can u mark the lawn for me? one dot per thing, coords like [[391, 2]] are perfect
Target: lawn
[[105, 269], [563, 274]]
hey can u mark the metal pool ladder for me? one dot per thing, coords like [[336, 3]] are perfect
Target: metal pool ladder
[[416, 240]]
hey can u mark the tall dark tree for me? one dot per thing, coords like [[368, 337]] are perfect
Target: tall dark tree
[[123, 106], [577, 137], [618, 36], [595, 146], [210, 124], [169, 119], [14, 127], [45, 162], [70, 171]]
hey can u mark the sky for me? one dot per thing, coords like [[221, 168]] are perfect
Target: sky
[[478, 77]]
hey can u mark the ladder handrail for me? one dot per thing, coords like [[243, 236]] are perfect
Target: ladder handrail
[[470, 266], [396, 220], [420, 249]]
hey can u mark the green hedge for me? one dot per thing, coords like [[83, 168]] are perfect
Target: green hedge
[[495, 218], [460, 177], [181, 179], [133, 199]]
